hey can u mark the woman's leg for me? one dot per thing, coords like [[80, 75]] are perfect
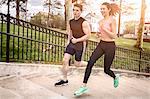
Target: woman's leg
[[108, 58], [98, 52]]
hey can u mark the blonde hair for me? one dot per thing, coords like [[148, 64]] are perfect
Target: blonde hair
[[79, 6], [114, 8]]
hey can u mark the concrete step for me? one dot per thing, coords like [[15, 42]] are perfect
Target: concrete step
[[22, 88]]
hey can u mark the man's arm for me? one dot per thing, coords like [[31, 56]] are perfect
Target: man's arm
[[86, 30]]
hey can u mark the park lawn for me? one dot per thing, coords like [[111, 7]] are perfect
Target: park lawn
[[129, 43], [125, 43], [120, 42]]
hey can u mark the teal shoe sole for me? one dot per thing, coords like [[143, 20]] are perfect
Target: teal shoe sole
[[79, 94]]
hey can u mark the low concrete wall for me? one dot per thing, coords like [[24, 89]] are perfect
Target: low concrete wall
[[7, 69]]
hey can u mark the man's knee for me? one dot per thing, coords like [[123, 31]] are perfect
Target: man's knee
[[65, 65], [65, 61]]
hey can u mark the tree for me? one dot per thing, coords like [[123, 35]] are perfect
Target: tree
[[55, 4], [67, 12], [18, 4], [139, 42], [37, 19], [129, 27], [126, 8], [19, 7]]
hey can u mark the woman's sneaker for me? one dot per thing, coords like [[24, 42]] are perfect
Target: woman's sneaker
[[116, 81], [81, 91], [61, 83]]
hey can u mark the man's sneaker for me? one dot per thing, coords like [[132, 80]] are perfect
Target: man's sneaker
[[81, 91], [61, 83], [116, 81]]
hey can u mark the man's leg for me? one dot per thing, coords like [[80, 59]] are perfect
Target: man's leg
[[68, 53], [64, 70], [65, 67]]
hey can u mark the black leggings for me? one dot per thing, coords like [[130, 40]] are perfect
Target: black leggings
[[106, 48]]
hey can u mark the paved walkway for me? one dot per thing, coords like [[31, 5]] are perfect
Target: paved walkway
[[40, 85]]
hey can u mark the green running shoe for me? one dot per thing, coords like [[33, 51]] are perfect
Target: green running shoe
[[116, 81], [81, 91]]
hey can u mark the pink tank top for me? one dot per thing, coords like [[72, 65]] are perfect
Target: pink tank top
[[107, 25]]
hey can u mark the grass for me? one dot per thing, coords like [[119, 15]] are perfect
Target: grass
[[26, 49], [125, 43], [129, 43]]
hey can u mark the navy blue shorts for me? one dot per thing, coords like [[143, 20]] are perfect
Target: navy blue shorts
[[72, 49]]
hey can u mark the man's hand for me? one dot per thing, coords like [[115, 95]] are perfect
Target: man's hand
[[74, 40], [98, 34]]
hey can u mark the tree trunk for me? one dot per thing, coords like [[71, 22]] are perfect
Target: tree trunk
[[26, 10], [17, 8], [119, 21], [68, 11], [139, 42], [49, 11]]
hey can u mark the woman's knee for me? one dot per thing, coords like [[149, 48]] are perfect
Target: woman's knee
[[91, 62], [106, 71]]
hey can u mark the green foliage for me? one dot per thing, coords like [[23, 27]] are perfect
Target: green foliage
[[129, 27], [58, 22], [54, 21], [37, 19]]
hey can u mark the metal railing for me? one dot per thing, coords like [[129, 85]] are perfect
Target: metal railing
[[27, 42]]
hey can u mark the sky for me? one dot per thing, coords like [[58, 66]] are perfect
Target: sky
[[34, 6]]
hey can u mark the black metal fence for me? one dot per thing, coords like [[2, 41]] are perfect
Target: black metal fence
[[26, 42]]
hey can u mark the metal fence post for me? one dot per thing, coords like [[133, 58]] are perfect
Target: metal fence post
[[8, 36], [140, 59]]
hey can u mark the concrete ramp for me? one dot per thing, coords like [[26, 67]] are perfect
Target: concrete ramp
[[37, 82]]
